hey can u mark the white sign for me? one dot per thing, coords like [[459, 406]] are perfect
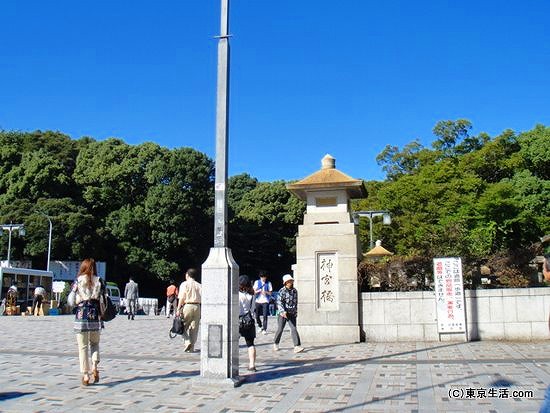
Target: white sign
[[58, 286], [449, 295], [16, 264], [68, 270], [327, 281]]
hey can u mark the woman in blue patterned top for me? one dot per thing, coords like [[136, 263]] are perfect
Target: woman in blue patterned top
[[85, 294], [287, 303]]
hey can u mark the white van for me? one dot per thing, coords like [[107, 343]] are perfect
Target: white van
[[114, 293]]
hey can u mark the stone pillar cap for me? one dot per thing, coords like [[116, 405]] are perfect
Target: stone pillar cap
[[328, 162]]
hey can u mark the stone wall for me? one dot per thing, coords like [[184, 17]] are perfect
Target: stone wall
[[496, 314]]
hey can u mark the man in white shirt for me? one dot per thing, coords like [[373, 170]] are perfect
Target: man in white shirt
[[190, 299], [263, 290]]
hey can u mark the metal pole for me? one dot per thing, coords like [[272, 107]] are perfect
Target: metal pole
[[49, 244], [49, 238], [9, 245], [222, 110], [370, 226]]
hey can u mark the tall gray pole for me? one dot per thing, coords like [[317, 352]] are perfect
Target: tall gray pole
[[222, 135], [220, 272], [9, 246], [370, 230], [49, 244]]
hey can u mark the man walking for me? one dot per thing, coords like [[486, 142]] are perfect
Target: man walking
[[262, 290], [171, 299], [288, 306], [131, 293], [189, 299]]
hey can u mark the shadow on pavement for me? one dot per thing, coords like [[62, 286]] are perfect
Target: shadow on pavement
[[284, 369], [14, 395], [399, 395], [172, 375]]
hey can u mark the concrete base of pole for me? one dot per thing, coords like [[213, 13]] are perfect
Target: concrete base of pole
[[202, 383], [220, 318]]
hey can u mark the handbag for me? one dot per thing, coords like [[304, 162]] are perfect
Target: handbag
[[246, 321], [177, 327], [107, 308]]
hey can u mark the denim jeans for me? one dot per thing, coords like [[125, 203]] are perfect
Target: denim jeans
[[262, 309]]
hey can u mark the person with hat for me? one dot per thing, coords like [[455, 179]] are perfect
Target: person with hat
[[287, 303], [247, 329], [262, 290]]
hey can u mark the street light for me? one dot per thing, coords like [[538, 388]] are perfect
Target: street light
[[386, 219], [10, 227], [49, 239]]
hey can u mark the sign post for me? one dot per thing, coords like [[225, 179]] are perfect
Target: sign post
[[57, 289], [449, 296]]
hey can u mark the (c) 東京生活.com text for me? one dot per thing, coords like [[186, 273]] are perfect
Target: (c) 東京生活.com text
[[489, 393]]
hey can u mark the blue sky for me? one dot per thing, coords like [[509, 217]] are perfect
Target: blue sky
[[308, 77]]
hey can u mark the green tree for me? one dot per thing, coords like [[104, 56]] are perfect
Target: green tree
[[263, 232], [450, 133], [535, 150]]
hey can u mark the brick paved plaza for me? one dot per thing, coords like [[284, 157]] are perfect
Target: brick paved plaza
[[144, 371]]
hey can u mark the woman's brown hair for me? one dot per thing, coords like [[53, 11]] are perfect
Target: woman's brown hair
[[88, 268]]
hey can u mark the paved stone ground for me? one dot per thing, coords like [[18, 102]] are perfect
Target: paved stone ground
[[142, 370]]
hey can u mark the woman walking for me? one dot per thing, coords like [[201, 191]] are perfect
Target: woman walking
[[85, 294], [247, 328]]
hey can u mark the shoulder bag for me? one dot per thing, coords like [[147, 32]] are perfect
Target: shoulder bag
[[177, 327], [107, 309]]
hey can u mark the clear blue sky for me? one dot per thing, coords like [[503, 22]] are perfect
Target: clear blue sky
[[309, 77]]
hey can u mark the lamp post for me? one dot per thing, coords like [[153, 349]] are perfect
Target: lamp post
[[220, 272], [386, 219], [49, 239], [11, 227]]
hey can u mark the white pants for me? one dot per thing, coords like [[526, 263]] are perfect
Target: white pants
[[88, 342]]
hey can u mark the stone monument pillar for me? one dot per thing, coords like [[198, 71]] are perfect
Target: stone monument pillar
[[327, 254]]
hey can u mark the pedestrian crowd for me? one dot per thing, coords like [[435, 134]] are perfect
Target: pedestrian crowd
[[89, 297]]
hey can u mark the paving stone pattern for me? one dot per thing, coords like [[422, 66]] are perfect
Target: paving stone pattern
[[143, 370]]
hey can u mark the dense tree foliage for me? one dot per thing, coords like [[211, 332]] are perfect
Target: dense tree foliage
[[147, 210], [144, 209], [469, 196], [263, 226]]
